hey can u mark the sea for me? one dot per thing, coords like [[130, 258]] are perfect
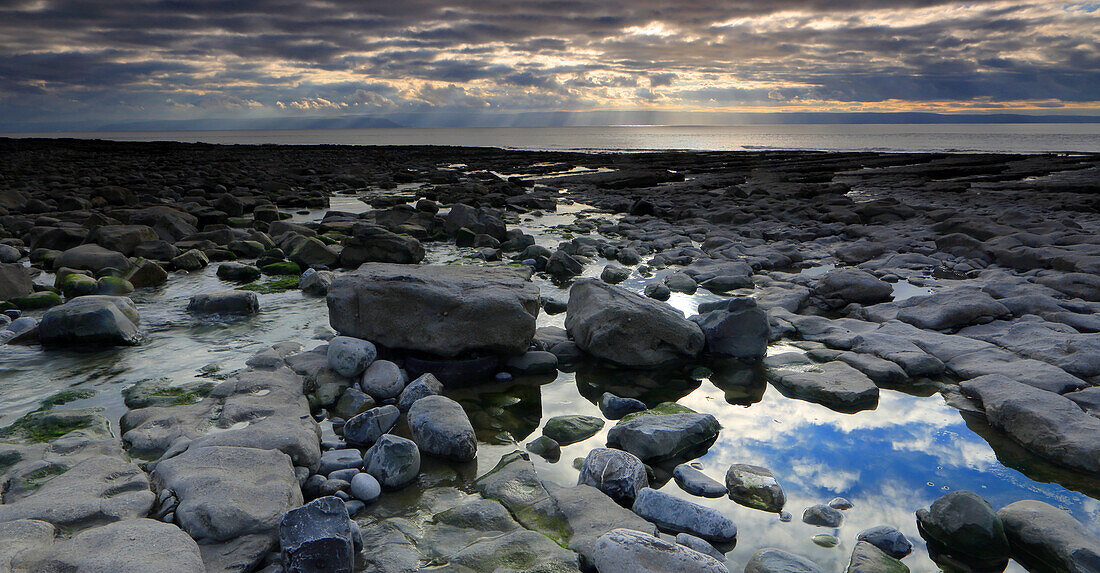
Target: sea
[[906, 138]]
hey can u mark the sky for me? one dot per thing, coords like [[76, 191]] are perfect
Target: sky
[[105, 61]]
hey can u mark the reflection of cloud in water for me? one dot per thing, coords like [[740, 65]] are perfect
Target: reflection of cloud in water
[[890, 462]]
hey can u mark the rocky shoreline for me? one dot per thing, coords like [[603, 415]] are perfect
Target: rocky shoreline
[[835, 279]]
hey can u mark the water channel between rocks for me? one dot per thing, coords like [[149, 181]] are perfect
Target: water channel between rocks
[[889, 461]]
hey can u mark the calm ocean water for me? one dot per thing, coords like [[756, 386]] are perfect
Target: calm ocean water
[[1013, 138]]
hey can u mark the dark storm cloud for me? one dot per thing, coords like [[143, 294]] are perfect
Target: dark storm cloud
[[139, 58]]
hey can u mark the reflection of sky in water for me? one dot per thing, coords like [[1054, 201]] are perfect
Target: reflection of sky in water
[[889, 462]]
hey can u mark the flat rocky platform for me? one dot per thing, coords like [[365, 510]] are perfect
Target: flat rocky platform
[[413, 437]]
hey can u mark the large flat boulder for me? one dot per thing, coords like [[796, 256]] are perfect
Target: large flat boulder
[[97, 490], [225, 492], [629, 329], [131, 546], [440, 309]]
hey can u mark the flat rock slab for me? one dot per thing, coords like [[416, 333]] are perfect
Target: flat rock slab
[[257, 409], [1050, 425], [23, 542], [444, 310], [100, 489], [226, 492], [130, 546], [627, 551], [834, 385], [1049, 538]]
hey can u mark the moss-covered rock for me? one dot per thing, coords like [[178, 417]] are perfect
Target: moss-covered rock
[[567, 430], [77, 284], [37, 300], [160, 392], [47, 426], [115, 286], [281, 283], [281, 268], [64, 397]]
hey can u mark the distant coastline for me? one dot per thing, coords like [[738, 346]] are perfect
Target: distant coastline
[[539, 119], [1024, 138]]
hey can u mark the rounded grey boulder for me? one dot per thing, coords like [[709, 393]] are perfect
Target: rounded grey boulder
[[383, 380], [394, 461], [671, 513], [889, 540], [964, 523], [620, 475], [350, 356], [441, 428]]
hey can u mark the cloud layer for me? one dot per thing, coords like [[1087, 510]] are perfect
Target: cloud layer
[[156, 59]]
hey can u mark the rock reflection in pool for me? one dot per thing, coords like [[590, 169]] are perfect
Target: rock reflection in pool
[[889, 461]]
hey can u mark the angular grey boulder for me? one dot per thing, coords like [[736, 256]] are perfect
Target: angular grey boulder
[[889, 540], [822, 515], [739, 329], [620, 475], [92, 257], [440, 427], [626, 328], [1048, 538], [629, 551], [14, 281], [615, 407], [671, 513], [90, 321], [367, 427], [317, 537], [394, 461], [425, 385], [667, 431], [571, 429], [440, 309], [755, 487]]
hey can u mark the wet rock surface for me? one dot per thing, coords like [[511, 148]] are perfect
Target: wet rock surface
[[883, 286]]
